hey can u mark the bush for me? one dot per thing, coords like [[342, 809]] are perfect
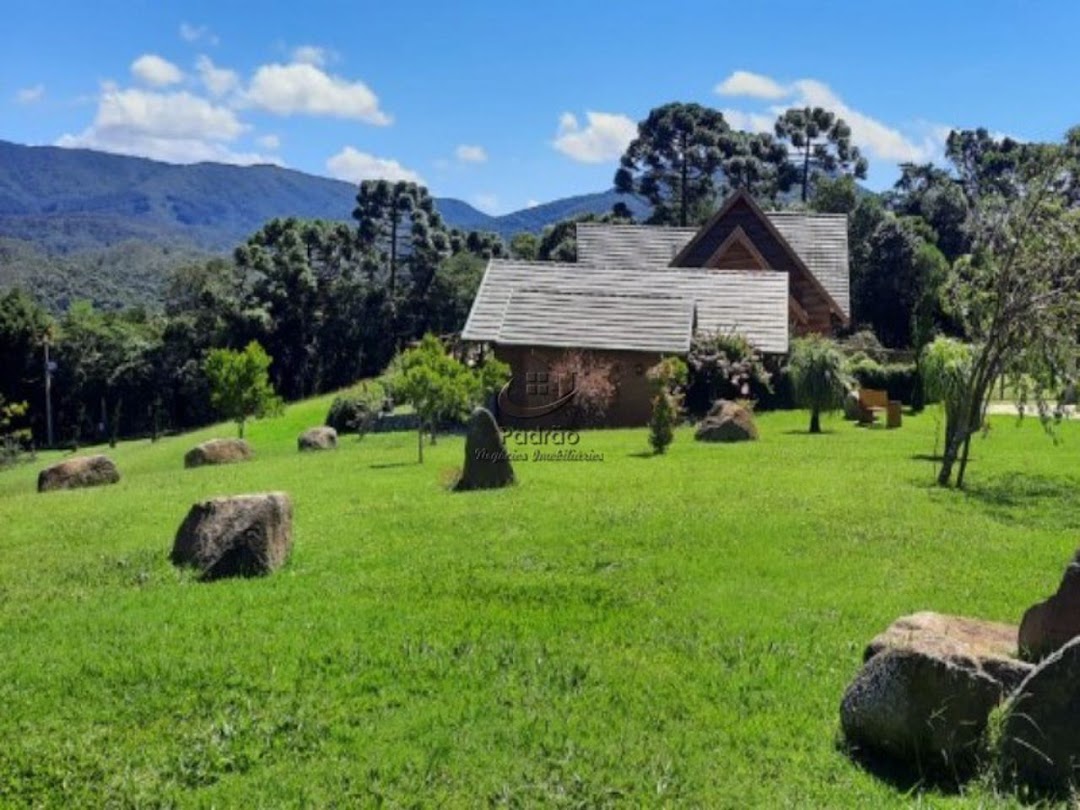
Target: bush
[[899, 379], [667, 379], [864, 343], [724, 366], [357, 410]]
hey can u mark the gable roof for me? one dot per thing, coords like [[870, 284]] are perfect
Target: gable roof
[[597, 321], [752, 303], [818, 241]]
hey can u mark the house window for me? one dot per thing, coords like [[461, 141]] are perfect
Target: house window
[[536, 383]]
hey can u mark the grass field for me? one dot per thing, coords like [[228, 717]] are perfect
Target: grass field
[[671, 631]]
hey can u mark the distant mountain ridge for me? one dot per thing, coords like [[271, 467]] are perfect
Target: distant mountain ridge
[[64, 201]]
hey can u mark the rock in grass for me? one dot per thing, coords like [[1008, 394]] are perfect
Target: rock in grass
[[727, 422], [86, 471], [244, 535], [926, 691], [990, 645], [218, 451], [1040, 740], [487, 465], [317, 438], [1051, 624]]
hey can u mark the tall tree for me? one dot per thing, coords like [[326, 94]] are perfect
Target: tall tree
[[758, 163], [397, 221], [1018, 299], [822, 142], [674, 161]]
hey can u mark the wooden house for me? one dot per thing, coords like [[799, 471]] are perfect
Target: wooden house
[[639, 292]]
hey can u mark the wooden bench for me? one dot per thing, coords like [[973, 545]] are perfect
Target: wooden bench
[[874, 403]]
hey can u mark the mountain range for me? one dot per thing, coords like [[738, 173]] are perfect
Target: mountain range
[[64, 201]]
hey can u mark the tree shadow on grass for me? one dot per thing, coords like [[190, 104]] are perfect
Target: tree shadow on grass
[[642, 454], [1017, 489], [823, 432], [389, 465]]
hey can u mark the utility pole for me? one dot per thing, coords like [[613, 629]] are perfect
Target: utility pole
[[49, 368]]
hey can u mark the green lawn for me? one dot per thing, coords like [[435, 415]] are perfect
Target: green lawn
[[670, 631]]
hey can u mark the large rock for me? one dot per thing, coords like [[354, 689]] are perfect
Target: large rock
[[487, 465], [245, 535], [317, 438], [727, 422], [87, 471], [218, 451], [852, 410], [1040, 741], [1049, 625], [927, 689], [989, 645]]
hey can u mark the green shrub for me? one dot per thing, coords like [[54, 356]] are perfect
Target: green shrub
[[899, 379], [667, 379], [356, 411], [724, 366]]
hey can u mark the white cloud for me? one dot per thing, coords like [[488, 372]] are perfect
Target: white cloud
[[218, 81], [271, 142], [353, 165], [155, 71], [486, 202], [605, 138], [178, 127], [530, 203], [466, 153], [30, 95], [197, 33], [748, 121], [754, 85], [304, 89], [311, 55], [877, 140]]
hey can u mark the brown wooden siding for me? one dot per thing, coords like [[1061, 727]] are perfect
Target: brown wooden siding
[[737, 256], [631, 407]]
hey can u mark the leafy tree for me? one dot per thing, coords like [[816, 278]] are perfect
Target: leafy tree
[[818, 377], [931, 193], [13, 439], [452, 291], [1017, 298], [674, 161], [757, 163], [945, 366], [835, 195], [23, 325], [525, 246], [437, 385], [902, 281], [240, 386], [823, 141]]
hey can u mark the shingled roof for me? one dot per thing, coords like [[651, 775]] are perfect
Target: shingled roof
[[598, 321], [755, 304], [820, 240]]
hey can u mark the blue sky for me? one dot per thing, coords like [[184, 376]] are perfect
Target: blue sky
[[505, 104]]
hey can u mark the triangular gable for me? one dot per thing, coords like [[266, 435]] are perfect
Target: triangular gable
[[740, 211]]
